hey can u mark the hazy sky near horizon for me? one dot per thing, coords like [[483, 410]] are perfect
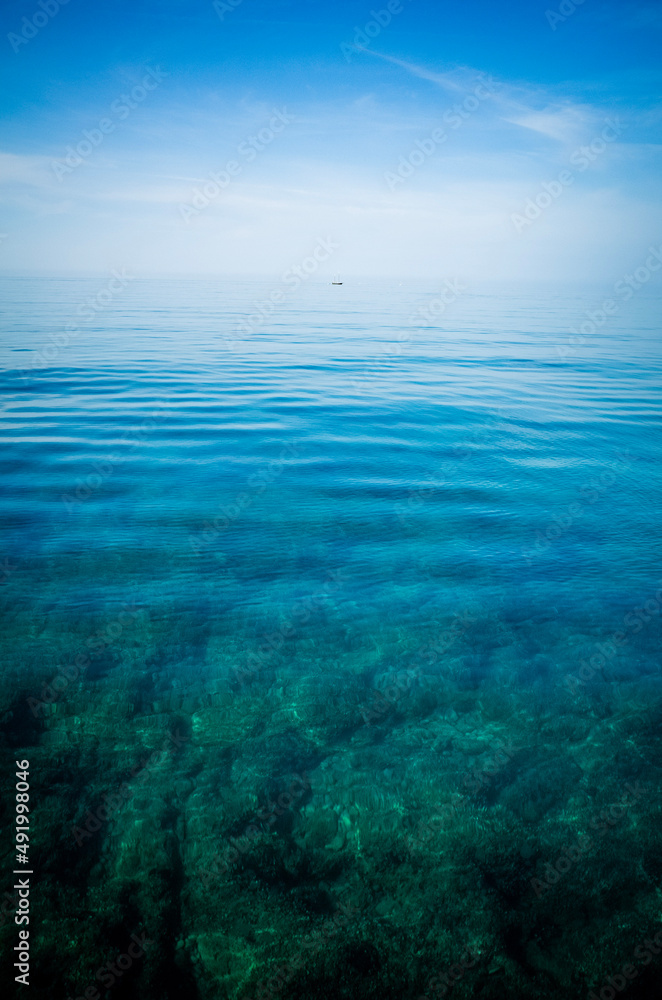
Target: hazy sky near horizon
[[319, 134]]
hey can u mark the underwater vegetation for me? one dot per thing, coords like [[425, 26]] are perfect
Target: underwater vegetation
[[490, 831]]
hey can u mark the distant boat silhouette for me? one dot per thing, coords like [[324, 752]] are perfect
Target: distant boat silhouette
[[336, 280]]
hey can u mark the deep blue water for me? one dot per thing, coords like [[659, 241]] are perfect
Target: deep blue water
[[250, 536]]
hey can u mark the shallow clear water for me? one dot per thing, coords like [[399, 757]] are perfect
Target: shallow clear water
[[351, 541]]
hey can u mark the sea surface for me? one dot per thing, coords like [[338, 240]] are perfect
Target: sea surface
[[332, 636]]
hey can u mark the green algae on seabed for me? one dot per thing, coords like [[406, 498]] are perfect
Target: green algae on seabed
[[474, 881]]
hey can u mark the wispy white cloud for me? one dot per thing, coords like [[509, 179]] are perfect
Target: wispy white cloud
[[18, 169], [325, 176], [448, 80], [534, 107], [565, 124]]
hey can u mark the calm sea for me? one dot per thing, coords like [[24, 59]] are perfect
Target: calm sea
[[338, 615]]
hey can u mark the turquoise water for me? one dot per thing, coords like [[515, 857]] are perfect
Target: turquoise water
[[332, 636]]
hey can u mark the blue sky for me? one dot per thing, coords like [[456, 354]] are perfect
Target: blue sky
[[349, 152]]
